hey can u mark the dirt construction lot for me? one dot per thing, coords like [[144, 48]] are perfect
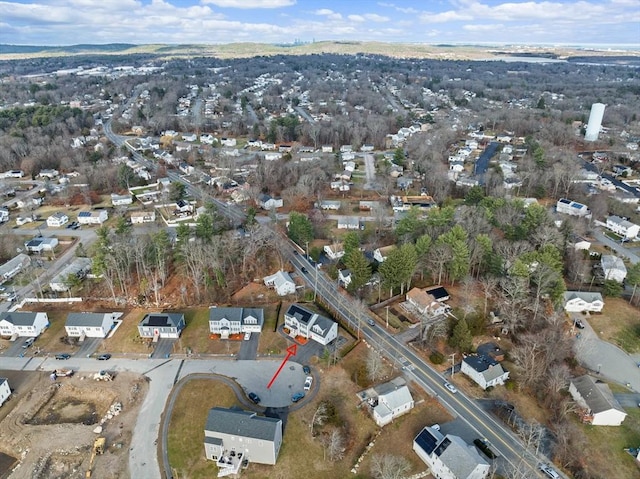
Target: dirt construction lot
[[48, 426]]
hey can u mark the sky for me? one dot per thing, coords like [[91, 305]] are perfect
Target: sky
[[561, 22]]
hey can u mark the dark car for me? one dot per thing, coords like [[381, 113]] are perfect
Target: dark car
[[254, 397], [104, 357], [295, 252], [306, 370], [579, 324], [304, 270], [62, 356], [484, 447], [297, 396]]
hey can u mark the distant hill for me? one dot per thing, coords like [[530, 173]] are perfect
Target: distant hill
[[244, 50]]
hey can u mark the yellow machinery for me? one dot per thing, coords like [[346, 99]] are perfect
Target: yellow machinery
[[98, 448]]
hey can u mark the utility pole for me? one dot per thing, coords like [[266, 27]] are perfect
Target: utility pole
[[387, 316], [453, 362], [315, 287]]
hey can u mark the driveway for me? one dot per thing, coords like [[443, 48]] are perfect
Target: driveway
[[604, 358], [16, 349], [370, 170], [249, 348], [88, 347], [164, 348]]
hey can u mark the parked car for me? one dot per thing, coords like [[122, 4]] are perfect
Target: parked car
[[28, 343], [247, 336], [308, 382], [549, 471], [306, 370], [104, 357], [62, 356], [254, 397], [297, 397], [436, 427], [579, 324], [484, 447], [450, 387]]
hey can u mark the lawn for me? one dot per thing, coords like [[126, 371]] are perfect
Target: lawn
[[126, 339], [619, 324], [195, 336], [49, 340], [272, 342]]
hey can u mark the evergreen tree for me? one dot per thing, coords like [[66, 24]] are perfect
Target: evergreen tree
[[461, 337]]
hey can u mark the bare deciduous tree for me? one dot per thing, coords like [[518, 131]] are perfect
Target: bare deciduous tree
[[335, 445], [388, 466], [375, 365]]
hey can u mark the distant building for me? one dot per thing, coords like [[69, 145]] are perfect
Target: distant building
[[96, 217], [572, 208], [57, 219], [622, 227]]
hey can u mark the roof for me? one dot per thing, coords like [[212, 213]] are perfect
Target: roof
[[236, 314], [610, 261], [236, 422], [78, 264], [459, 457], [322, 325], [397, 397], [583, 295], [486, 365], [301, 314], [58, 215], [420, 297], [19, 260], [86, 319], [620, 221], [279, 278], [162, 320], [596, 394], [18, 318], [438, 292], [428, 439]]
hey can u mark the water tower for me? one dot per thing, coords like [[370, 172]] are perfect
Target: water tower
[[595, 122]]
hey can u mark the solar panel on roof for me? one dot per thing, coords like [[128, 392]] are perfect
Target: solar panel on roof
[[84, 213], [443, 445], [565, 201], [426, 441], [158, 321]]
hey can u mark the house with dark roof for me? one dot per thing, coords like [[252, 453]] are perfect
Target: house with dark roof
[[438, 292], [5, 390], [582, 301], [484, 370], [23, 324], [268, 202], [40, 244], [300, 321], [233, 435], [161, 325], [89, 325], [599, 407], [228, 321], [388, 400], [449, 457]]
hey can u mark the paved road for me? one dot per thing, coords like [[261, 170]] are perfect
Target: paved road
[[303, 113], [370, 170], [621, 250], [482, 163]]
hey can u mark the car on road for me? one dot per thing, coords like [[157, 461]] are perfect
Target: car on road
[[308, 382], [549, 471], [450, 387], [371, 322], [247, 336], [104, 357], [579, 324], [304, 270], [254, 397], [297, 397], [484, 447], [63, 356], [28, 343], [295, 252], [306, 370]]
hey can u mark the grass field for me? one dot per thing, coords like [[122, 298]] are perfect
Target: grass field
[[619, 324], [126, 339]]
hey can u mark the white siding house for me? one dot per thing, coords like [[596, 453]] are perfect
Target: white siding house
[[392, 401], [613, 268], [5, 390], [23, 324], [281, 282], [572, 208], [96, 217], [57, 219], [582, 301], [228, 321], [307, 324], [600, 408], [90, 325], [484, 370], [623, 227]]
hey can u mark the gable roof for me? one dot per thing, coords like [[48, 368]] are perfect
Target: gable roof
[[485, 365], [85, 319], [397, 397], [236, 314], [596, 394], [301, 314], [421, 297], [279, 278], [237, 422], [583, 295], [162, 320], [460, 458], [438, 292], [18, 318], [610, 261]]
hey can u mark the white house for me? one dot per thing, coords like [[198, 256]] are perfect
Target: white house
[[344, 277], [89, 325], [484, 370], [425, 303], [40, 244], [95, 217], [281, 282], [613, 268], [232, 436], [327, 149], [623, 227], [334, 251], [449, 457], [4, 214], [57, 219], [302, 322], [5, 390], [329, 205], [272, 156], [380, 254], [391, 400], [23, 323], [161, 325], [600, 408], [121, 200], [140, 217], [582, 301], [572, 208], [228, 321], [268, 202], [348, 223]]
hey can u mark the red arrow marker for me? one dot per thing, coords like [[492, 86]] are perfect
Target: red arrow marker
[[291, 351]]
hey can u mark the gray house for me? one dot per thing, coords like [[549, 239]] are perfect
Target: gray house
[[161, 325], [233, 435]]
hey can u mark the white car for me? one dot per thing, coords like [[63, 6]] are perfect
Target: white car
[[307, 383], [247, 336], [450, 387], [549, 471]]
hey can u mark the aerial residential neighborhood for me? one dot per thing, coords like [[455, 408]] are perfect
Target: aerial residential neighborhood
[[319, 258]]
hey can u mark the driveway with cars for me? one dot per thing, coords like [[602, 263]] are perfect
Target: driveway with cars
[[249, 347]]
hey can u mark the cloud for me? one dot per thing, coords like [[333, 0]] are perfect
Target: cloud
[[330, 14], [247, 4], [407, 10]]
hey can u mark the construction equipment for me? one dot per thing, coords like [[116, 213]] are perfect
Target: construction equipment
[[98, 448], [102, 376], [61, 373]]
